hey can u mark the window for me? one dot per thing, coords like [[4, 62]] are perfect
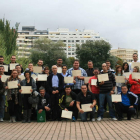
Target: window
[[69, 49], [69, 53], [72, 49], [69, 40], [77, 40], [72, 40], [82, 41], [72, 53]]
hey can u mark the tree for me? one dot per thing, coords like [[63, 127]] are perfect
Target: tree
[[48, 51], [97, 51]]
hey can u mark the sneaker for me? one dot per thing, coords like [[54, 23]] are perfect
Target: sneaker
[[13, 119], [1, 119], [99, 119], [10, 121], [93, 120], [114, 119], [73, 119]]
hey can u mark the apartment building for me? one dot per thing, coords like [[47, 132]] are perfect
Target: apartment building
[[124, 54], [28, 34]]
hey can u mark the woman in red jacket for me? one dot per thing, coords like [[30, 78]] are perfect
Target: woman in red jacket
[[135, 83]]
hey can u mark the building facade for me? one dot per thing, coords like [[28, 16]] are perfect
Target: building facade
[[124, 54], [28, 34]]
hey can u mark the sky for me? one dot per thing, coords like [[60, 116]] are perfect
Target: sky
[[115, 20]]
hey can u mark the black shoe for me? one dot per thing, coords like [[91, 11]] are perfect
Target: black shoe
[[128, 118], [24, 121], [29, 121]]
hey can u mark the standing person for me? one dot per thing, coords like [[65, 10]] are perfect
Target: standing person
[[43, 83], [12, 95], [19, 69], [93, 88], [30, 68], [59, 62], [68, 102], [40, 63], [2, 63], [55, 83], [64, 71], [2, 95], [86, 97], [90, 69], [125, 67], [79, 80], [135, 59], [106, 89], [28, 81]]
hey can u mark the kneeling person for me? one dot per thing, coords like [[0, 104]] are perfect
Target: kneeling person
[[86, 97], [68, 102], [129, 99], [44, 102]]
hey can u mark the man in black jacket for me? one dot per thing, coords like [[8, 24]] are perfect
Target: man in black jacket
[[129, 99], [55, 84], [106, 89], [44, 102], [2, 63], [68, 102], [90, 68]]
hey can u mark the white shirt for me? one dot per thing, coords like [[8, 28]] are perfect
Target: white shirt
[[130, 68]]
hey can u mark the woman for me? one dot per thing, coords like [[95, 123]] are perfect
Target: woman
[[125, 67], [43, 83], [135, 83], [12, 95], [28, 81], [119, 73]]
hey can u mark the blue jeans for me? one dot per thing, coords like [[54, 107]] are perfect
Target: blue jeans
[[2, 105], [102, 97], [84, 115]]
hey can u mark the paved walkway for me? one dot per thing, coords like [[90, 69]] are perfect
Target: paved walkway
[[66, 130]]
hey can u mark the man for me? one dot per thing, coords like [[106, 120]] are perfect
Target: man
[[2, 95], [93, 88], [90, 68], [68, 102], [30, 68], [59, 62], [44, 102], [106, 89], [2, 63], [78, 80], [86, 97], [129, 99], [55, 84], [40, 63], [18, 67], [135, 59]]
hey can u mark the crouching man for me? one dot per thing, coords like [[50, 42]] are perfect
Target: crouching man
[[44, 102], [86, 97], [129, 99]]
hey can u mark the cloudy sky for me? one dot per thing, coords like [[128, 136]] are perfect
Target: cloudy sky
[[116, 20]]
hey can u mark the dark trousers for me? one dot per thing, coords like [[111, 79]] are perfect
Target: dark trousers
[[48, 114], [55, 107], [77, 91], [12, 107], [120, 109], [26, 104], [19, 113]]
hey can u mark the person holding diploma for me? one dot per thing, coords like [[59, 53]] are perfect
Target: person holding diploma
[[106, 89], [28, 81], [129, 99], [78, 80], [55, 84], [2, 95], [68, 102], [44, 102], [30, 68], [12, 95], [2, 63], [86, 97]]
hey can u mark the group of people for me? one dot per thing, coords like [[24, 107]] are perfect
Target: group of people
[[54, 95]]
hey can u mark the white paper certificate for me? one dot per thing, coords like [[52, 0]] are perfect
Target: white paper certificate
[[76, 73], [5, 68], [59, 69], [94, 82], [120, 79], [4, 77], [13, 66], [68, 79], [135, 64], [34, 76], [126, 74], [37, 69], [116, 98], [26, 89], [86, 79], [103, 77], [12, 84], [86, 107], [135, 75], [22, 77], [42, 77], [66, 114]]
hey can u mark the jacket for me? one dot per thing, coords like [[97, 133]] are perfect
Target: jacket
[[135, 87], [108, 85], [89, 72], [62, 100], [2, 86], [60, 84]]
